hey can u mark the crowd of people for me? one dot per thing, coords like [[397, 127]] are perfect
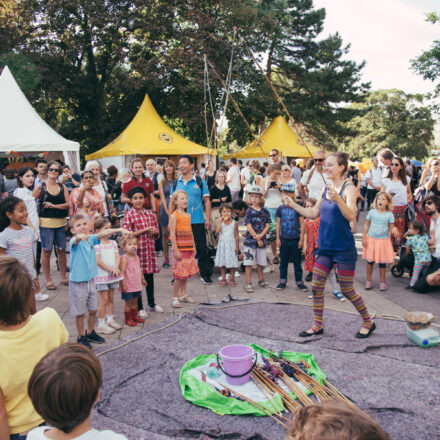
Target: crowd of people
[[188, 219]]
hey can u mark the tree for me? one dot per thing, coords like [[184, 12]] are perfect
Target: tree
[[390, 119]]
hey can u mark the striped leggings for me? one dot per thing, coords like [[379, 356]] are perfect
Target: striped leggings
[[321, 269], [418, 267]]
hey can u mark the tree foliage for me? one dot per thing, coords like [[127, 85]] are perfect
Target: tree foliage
[[390, 119]]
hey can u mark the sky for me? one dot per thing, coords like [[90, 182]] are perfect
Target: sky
[[386, 34]]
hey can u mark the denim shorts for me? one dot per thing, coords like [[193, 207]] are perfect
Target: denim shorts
[[51, 236], [106, 286], [130, 295]]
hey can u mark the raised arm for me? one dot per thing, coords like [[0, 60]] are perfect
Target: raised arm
[[305, 212]]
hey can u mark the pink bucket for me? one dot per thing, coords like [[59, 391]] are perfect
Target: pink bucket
[[237, 363]]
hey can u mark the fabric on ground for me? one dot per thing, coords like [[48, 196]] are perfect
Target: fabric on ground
[[393, 380]]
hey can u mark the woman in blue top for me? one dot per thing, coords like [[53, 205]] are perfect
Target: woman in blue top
[[336, 246]]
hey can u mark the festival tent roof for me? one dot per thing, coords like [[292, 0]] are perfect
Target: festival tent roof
[[148, 134], [23, 130], [277, 135]]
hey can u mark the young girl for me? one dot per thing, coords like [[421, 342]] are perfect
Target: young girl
[[108, 260], [17, 240], [131, 284], [376, 237], [227, 247], [183, 247], [418, 243]]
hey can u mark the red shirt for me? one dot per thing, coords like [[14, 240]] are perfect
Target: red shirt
[[146, 183]]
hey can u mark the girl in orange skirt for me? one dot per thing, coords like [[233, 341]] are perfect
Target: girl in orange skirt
[[183, 247], [376, 237]]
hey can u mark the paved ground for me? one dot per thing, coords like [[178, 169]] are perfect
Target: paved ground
[[394, 303]]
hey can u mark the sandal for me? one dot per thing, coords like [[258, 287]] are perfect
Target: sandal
[[176, 303], [64, 283], [223, 283], [276, 260], [232, 283], [186, 299], [50, 286]]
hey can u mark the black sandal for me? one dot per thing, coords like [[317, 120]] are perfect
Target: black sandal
[[360, 335], [306, 334]]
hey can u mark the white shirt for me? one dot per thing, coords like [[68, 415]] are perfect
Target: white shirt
[[234, 175], [100, 190], [25, 194], [375, 175], [273, 196], [435, 226], [400, 191], [296, 174], [316, 184], [93, 434]]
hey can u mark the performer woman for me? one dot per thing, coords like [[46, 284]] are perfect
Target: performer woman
[[336, 246]]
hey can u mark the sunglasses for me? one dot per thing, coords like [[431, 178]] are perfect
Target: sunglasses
[[88, 177], [434, 164], [272, 155], [54, 170], [395, 164], [429, 203], [319, 160]]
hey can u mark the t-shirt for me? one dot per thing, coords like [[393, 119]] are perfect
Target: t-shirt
[[20, 244], [93, 434], [258, 220], [107, 252], [400, 191], [83, 265], [25, 194], [146, 183], [217, 193], [379, 223], [20, 350], [375, 176], [296, 174], [315, 185], [435, 226], [273, 195], [290, 223], [234, 175], [419, 245]]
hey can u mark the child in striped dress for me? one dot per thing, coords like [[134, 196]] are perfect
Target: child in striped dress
[[183, 247]]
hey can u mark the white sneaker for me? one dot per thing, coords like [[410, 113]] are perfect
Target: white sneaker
[[268, 269], [41, 297], [157, 309], [159, 254], [113, 324], [104, 329], [142, 314]]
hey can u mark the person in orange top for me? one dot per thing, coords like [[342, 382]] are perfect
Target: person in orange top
[[184, 250]]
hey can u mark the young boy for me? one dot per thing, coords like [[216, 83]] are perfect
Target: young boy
[[290, 227], [64, 387], [257, 221], [83, 269], [143, 224]]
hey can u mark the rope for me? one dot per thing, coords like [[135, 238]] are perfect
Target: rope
[[206, 72]]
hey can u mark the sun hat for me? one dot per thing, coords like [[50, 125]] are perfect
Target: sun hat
[[254, 189]]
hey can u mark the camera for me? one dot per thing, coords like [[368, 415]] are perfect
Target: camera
[[273, 184]]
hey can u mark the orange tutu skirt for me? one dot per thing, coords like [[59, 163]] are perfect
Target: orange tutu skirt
[[379, 250], [185, 267]]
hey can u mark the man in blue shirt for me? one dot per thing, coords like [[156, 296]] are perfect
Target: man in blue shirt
[[198, 194]]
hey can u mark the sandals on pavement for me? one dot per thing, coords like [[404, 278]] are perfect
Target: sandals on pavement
[[50, 286], [232, 283], [176, 303], [223, 283], [186, 299]]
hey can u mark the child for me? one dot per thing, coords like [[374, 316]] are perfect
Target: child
[[310, 238], [64, 387], [17, 240], [334, 420], [107, 258], [289, 231], [24, 340], [133, 280], [83, 269], [142, 222], [376, 237], [418, 243], [227, 247], [257, 221], [183, 247]]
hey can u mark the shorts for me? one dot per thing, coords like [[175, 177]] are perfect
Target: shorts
[[130, 295], [258, 255], [106, 286], [82, 297], [51, 236]]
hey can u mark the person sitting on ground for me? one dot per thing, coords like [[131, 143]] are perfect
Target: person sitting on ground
[[24, 340], [334, 420], [64, 387]]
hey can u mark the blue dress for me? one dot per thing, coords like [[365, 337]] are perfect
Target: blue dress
[[163, 217]]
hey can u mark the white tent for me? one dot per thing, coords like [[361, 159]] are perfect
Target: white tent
[[21, 128]]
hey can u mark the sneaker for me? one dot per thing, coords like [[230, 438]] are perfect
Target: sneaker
[[249, 288], [310, 296], [206, 280], [263, 283], [338, 295], [41, 297], [303, 287], [268, 269], [166, 264], [142, 314], [280, 286], [95, 338], [410, 288], [113, 324], [83, 340], [159, 254], [309, 277], [104, 329], [157, 309]]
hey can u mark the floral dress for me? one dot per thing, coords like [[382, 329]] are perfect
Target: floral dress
[[91, 207], [312, 228], [225, 255]]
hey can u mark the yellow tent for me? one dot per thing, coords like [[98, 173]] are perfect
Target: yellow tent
[[147, 134], [277, 135]]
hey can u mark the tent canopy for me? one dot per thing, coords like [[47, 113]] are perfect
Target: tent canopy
[[23, 130], [277, 135], [148, 134]]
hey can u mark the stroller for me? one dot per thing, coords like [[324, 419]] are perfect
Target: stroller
[[406, 262]]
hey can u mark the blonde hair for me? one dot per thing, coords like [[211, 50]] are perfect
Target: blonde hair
[[387, 196], [126, 239], [173, 203], [220, 173]]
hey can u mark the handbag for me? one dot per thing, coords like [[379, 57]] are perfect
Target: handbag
[[112, 211]]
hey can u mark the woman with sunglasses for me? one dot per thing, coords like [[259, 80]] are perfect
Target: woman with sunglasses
[[432, 184], [396, 183], [53, 202], [86, 200]]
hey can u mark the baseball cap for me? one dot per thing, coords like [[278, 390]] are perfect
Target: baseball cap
[[254, 189], [288, 187]]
